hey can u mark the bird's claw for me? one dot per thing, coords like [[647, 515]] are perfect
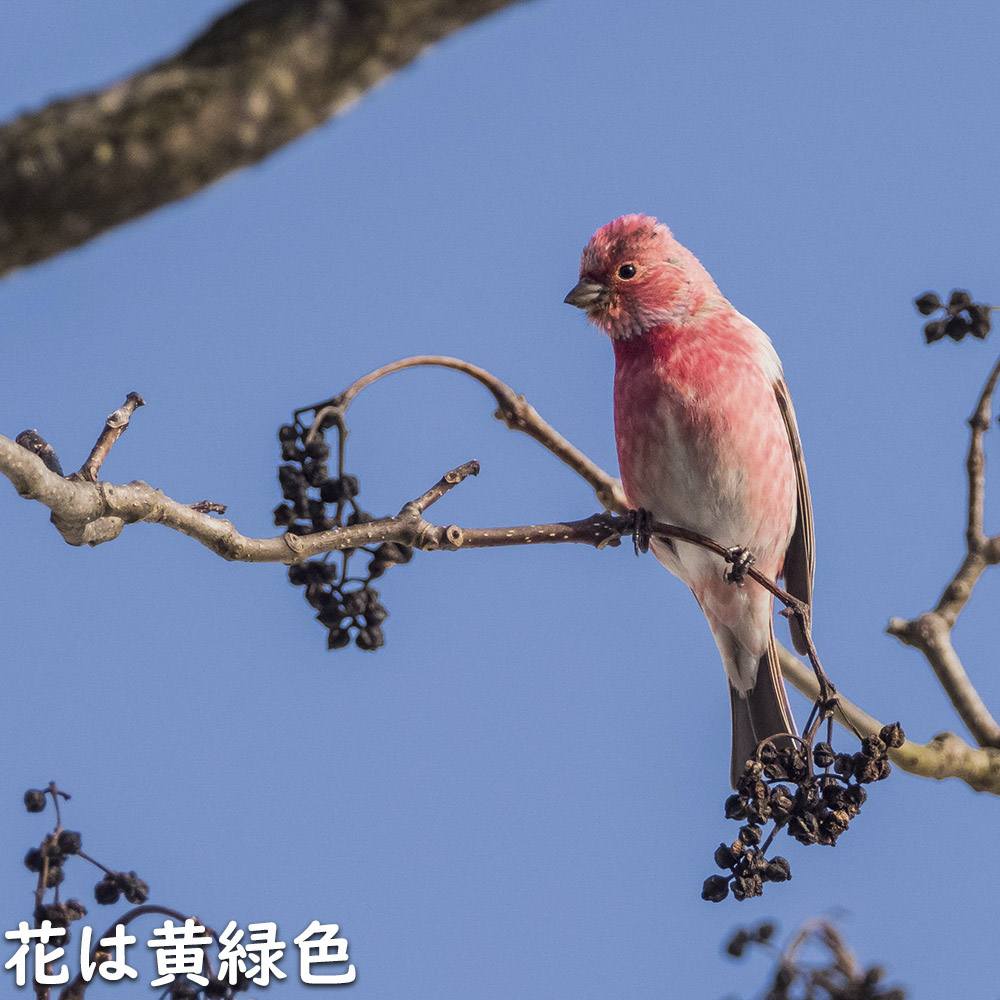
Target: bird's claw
[[740, 560], [640, 530]]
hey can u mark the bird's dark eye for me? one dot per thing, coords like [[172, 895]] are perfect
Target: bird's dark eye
[[626, 272]]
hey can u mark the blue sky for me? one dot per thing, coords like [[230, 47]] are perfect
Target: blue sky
[[521, 793]]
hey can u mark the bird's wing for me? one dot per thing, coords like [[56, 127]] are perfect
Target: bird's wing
[[800, 557]]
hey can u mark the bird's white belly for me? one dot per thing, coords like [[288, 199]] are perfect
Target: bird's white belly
[[690, 486]]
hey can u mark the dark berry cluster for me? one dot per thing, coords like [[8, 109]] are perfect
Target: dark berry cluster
[[48, 860], [748, 866], [961, 316], [347, 605], [813, 795], [116, 884], [797, 976]]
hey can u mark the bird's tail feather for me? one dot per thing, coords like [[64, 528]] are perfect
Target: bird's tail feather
[[762, 712]]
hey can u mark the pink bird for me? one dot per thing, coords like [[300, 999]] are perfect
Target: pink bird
[[707, 440]]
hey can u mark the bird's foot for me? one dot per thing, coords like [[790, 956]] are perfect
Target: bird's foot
[[740, 560], [640, 530]]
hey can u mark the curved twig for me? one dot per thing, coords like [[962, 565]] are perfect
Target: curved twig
[[513, 409]]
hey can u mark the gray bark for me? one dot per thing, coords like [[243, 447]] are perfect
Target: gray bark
[[260, 76]]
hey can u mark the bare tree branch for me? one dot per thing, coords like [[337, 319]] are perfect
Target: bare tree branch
[[91, 513], [88, 512], [931, 632], [260, 76]]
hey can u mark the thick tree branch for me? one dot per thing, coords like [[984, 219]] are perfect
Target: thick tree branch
[[87, 513], [260, 76], [90, 513], [931, 632]]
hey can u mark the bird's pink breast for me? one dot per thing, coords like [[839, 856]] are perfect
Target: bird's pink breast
[[701, 441]]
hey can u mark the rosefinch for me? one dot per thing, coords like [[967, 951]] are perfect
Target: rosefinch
[[707, 441]]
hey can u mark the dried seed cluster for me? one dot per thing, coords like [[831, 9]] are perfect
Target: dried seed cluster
[[961, 316], [347, 605], [811, 792], [116, 884], [48, 861]]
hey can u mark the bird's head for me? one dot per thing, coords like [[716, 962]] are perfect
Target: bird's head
[[634, 275]]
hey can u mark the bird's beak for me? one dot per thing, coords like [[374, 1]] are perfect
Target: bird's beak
[[586, 294]]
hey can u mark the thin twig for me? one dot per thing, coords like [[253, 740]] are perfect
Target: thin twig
[[114, 427], [447, 482], [93, 513], [55, 793], [975, 463], [793, 607], [95, 862]]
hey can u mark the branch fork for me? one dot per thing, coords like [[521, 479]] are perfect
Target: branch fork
[[930, 632]]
